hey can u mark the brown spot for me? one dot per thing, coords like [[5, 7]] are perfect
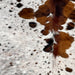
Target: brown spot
[[32, 24], [11, 64], [44, 32], [70, 26], [42, 11], [68, 69], [63, 43], [26, 13], [34, 50], [36, 62], [70, 54]]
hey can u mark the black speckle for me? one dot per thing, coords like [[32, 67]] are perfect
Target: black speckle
[[61, 69], [10, 10], [11, 64], [18, 0], [36, 62], [0, 0], [34, 50], [19, 5], [31, 54], [6, 24], [11, 3], [45, 61], [47, 73], [58, 71], [8, 42], [9, 27], [6, 46], [70, 26], [0, 44], [3, 49], [48, 62], [32, 24], [40, 74], [48, 48]]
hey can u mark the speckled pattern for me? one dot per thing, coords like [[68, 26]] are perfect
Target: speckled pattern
[[21, 46]]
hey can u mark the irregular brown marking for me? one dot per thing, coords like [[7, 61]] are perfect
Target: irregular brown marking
[[68, 69], [68, 9], [42, 17], [50, 6], [26, 13], [72, 15], [56, 7], [63, 43], [61, 10], [70, 26]]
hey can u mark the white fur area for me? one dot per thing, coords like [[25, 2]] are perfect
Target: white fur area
[[19, 42]]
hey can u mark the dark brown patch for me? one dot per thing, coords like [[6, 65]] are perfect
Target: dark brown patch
[[63, 43], [70, 26], [27, 13], [68, 9], [32, 24], [44, 32], [43, 11], [72, 0], [68, 69], [72, 15]]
